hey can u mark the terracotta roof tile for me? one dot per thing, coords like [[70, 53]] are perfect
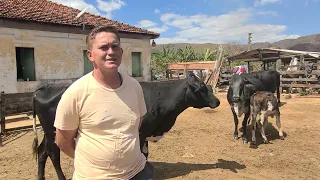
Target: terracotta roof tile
[[50, 12]]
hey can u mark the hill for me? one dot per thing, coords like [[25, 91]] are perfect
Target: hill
[[303, 43]]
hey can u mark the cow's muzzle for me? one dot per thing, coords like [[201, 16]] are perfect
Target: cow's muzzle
[[235, 99]]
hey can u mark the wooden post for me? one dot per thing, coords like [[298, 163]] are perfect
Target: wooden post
[[248, 66], [216, 70], [2, 113], [278, 68]]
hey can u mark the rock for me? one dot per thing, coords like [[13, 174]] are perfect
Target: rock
[[288, 96]]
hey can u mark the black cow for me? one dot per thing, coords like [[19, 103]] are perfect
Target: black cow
[[164, 101], [242, 87]]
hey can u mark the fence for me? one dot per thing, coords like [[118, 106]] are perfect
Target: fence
[[13, 104]]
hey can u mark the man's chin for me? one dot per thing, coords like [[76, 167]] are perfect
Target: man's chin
[[111, 67]]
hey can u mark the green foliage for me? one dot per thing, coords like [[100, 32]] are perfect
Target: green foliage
[[160, 60]]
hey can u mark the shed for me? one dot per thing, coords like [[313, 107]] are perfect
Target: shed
[[300, 69]]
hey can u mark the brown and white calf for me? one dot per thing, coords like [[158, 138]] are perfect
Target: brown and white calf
[[262, 105]]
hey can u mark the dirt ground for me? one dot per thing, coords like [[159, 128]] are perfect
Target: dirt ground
[[201, 146]]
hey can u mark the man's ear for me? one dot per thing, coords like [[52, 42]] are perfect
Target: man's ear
[[121, 51], [89, 55]]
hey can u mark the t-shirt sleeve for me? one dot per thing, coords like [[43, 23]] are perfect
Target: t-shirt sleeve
[[67, 116], [142, 104]]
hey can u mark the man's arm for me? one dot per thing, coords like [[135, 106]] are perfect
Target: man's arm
[[65, 141], [67, 122], [140, 122]]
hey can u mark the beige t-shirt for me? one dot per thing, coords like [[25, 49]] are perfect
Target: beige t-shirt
[[107, 145]]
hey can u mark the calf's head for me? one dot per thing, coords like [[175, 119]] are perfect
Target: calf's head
[[200, 95]]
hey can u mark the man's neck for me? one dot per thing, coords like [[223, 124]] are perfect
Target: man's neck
[[109, 80]]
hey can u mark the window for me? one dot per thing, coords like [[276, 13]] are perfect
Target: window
[[88, 66], [25, 64], [136, 64]]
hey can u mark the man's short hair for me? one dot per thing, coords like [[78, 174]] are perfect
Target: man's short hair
[[92, 35]]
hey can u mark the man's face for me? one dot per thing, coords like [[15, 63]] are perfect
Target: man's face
[[106, 52]]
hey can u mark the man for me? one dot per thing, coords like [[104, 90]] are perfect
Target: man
[[99, 116]]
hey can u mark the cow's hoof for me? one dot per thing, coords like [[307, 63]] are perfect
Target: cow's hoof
[[266, 141], [235, 137], [281, 137], [244, 141], [253, 142]]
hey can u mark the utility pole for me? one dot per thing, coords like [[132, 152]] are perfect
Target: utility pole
[[249, 41]]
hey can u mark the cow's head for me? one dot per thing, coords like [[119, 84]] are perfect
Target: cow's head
[[244, 86], [200, 95]]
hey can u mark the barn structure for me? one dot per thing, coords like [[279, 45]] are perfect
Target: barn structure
[[298, 69], [43, 41]]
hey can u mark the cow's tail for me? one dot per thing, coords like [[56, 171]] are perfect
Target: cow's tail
[[278, 88], [35, 139]]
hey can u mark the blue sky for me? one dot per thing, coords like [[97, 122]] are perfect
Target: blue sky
[[211, 21]]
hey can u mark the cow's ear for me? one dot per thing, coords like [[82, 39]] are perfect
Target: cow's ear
[[248, 90]]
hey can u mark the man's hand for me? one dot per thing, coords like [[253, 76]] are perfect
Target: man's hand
[[65, 141]]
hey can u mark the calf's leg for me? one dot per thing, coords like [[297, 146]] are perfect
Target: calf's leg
[[264, 122], [279, 124], [254, 127]]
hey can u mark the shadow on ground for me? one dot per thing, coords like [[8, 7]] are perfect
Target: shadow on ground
[[12, 136], [171, 170]]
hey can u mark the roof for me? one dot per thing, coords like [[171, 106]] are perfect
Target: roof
[[192, 65], [46, 11], [269, 54]]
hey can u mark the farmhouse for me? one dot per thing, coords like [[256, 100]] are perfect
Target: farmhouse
[[42, 41]]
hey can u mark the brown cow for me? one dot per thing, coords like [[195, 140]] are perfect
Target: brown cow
[[264, 104]]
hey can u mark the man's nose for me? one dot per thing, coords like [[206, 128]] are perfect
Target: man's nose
[[110, 51]]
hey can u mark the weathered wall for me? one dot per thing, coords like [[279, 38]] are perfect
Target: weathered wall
[[57, 56]]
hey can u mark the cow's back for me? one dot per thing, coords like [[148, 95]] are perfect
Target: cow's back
[[45, 102], [269, 78]]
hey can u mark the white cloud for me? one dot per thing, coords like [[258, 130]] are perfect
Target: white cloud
[[233, 26], [152, 26], [156, 11], [105, 8], [264, 2], [109, 6], [161, 29], [78, 4], [268, 13], [146, 24]]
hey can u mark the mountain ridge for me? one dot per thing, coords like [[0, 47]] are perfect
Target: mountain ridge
[[302, 43]]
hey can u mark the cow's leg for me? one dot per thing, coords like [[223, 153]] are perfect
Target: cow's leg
[[244, 128], [145, 150], [264, 122], [279, 124], [144, 145], [42, 158], [236, 121], [54, 155], [278, 95]]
